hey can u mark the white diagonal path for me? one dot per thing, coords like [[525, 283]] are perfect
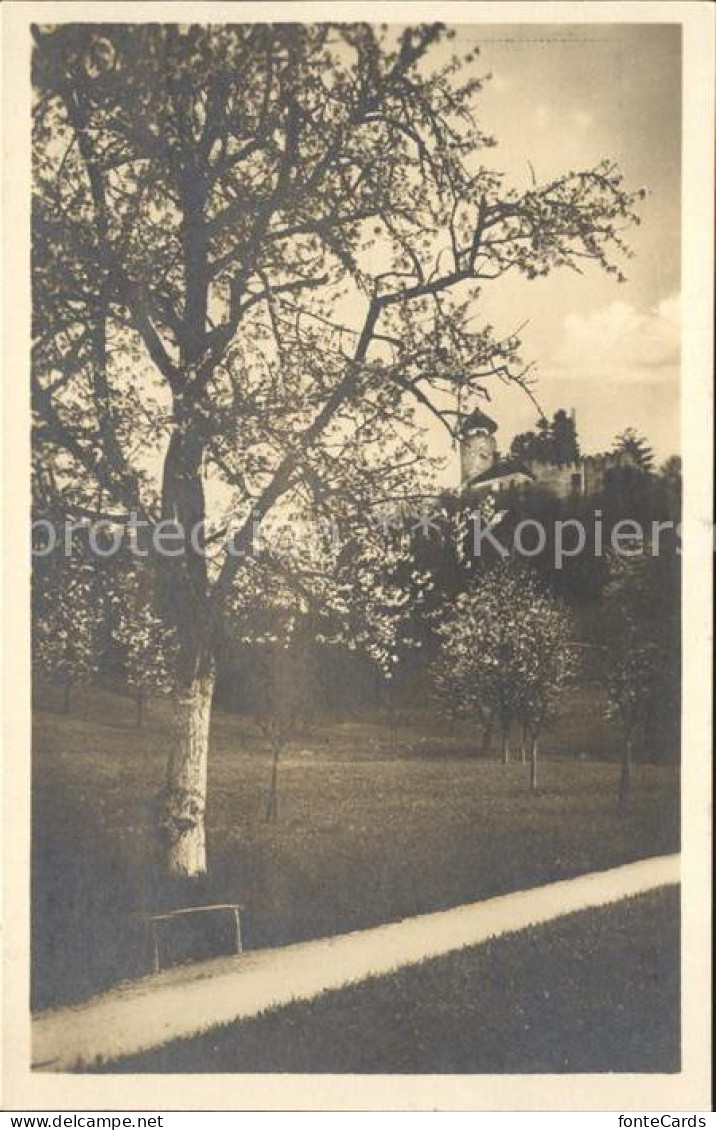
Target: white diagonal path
[[189, 999]]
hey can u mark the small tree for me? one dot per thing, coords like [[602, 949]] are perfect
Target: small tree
[[637, 447], [148, 648], [476, 670], [67, 622], [284, 701], [670, 474], [555, 441], [351, 585], [504, 648], [630, 684], [532, 445], [547, 665], [635, 650], [564, 437]]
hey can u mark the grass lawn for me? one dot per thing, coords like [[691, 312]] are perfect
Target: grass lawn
[[593, 992], [370, 831]]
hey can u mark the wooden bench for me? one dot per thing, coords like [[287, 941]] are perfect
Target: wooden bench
[[154, 919]]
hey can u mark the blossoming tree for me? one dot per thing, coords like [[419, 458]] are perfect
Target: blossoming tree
[[350, 584], [639, 645], [257, 247], [504, 648], [147, 646], [67, 622]]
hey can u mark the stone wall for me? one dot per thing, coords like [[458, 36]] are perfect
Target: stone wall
[[563, 481], [596, 468], [584, 477]]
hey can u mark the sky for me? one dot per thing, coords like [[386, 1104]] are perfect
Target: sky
[[563, 97]]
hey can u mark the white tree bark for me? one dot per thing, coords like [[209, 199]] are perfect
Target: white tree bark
[[625, 776], [505, 747], [533, 763], [184, 799]]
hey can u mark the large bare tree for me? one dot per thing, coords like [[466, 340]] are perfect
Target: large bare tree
[[257, 249]]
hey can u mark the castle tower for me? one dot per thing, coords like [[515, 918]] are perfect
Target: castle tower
[[478, 447]]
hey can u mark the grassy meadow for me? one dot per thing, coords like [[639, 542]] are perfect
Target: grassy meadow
[[374, 825]]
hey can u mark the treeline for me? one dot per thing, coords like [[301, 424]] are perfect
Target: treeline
[[98, 618]]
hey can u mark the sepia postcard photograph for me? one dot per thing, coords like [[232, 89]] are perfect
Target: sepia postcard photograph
[[358, 411]]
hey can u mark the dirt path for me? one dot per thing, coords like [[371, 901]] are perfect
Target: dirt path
[[189, 999]]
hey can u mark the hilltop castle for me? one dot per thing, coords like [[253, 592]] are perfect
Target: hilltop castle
[[482, 471]]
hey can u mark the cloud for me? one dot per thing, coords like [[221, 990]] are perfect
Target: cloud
[[622, 342]]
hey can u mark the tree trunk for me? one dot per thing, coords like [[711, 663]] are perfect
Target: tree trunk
[[506, 747], [625, 779], [533, 763], [487, 729], [184, 798], [140, 706], [184, 592], [272, 799], [523, 744], [391, 718], [67, 697]]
